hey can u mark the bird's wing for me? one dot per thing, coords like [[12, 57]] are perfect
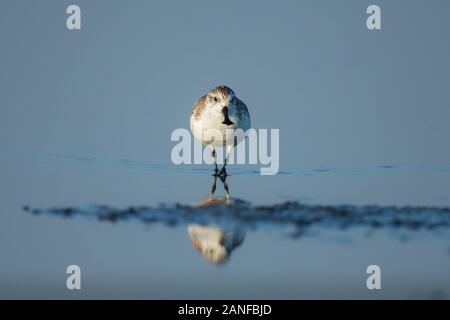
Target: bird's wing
[[242, 108], [243, 114], [199, 106]]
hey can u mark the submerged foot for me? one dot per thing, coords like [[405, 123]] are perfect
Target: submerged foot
[[222, 173]]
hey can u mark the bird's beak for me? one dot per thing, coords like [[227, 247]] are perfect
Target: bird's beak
[[226, 119]]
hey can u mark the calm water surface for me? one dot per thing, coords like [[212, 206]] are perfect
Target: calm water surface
[[86, 118], [142, 230]]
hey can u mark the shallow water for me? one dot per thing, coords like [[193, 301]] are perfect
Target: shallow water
[[143, 230], [86, 118]]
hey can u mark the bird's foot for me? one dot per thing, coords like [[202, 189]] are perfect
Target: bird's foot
[[216, 173], [222, 174]]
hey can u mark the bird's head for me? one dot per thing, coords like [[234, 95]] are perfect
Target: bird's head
[[215, 254], [222, 101], [210, 242]]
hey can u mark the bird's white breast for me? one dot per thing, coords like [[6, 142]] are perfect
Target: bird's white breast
[[210, 124]]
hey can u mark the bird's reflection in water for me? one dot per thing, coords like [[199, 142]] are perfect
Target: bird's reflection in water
[[216, 244]]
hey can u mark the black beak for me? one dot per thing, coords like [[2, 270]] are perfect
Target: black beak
[[226, 120]]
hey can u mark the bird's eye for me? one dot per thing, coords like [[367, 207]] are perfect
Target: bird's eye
[[215, 99]]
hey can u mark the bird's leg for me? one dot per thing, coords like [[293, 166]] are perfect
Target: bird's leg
[[216, 170], [223, 171], [213, 187], [223, 178]]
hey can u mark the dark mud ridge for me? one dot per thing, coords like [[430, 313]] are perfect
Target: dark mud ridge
[[231, 212]]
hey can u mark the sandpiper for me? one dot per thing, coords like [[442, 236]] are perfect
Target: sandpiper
[[221, 111]]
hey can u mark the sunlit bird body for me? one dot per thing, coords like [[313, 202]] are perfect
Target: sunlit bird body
[[219, 111]]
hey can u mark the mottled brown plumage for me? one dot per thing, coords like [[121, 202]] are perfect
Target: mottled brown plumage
[[222, 90], [200, 104], [198, 108]]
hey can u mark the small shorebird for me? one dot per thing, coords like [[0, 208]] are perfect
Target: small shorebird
[[219, 111]]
